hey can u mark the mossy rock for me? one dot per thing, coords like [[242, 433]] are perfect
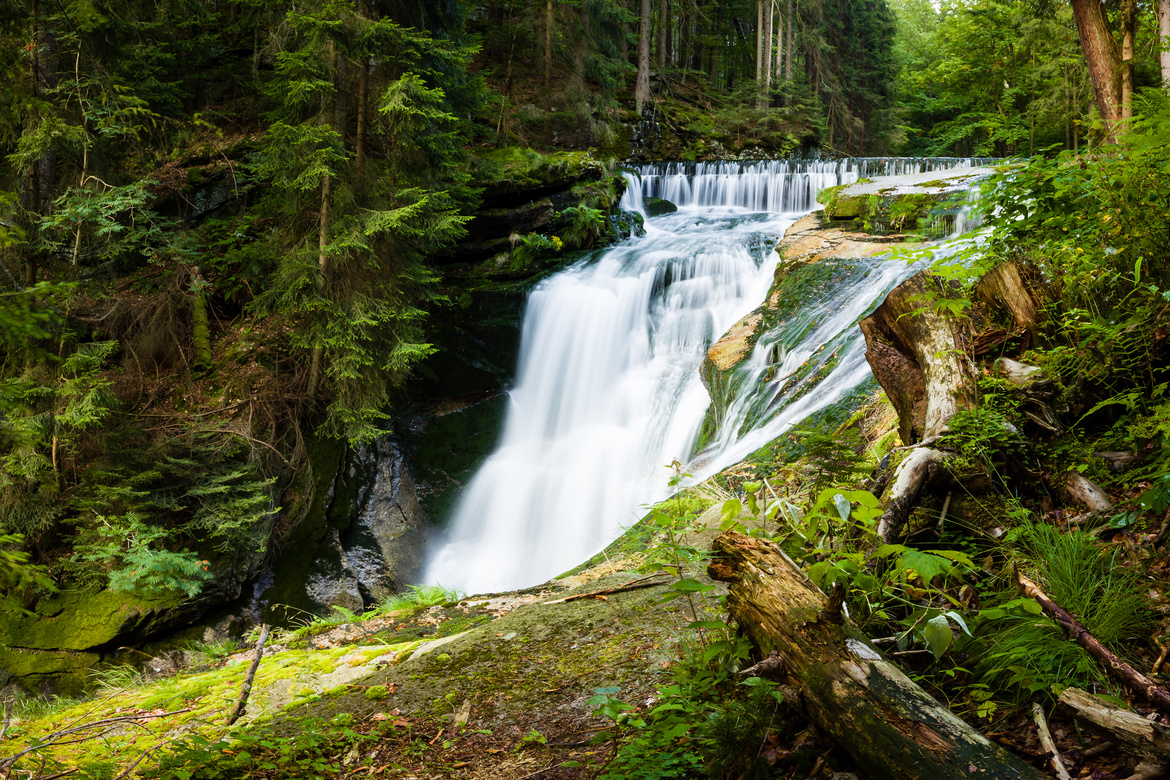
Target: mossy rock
[[68, 632], [657, 206], [839, 205], [61, 673]]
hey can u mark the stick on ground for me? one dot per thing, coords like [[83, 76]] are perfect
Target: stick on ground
[[246, 688], [1117, 668], [1047, 743]]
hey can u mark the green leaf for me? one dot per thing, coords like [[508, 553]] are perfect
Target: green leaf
[[843, 507], [937, 634], [958, 620]]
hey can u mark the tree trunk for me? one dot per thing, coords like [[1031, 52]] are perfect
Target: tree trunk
[[1164, 37], [1004, 286], [918, 357], [888, 724], [760, 40], [322, 270], [768, 53], [548, 33], [779, 43], [624, 46], [642, 81], [663, 33], [791, 45], [1101, 56], [363, 122], [200, 330], [716, 45], [1128, 22]]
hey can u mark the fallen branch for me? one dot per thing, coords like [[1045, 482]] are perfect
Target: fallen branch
[[1117, 668], [246, 688], [126, 772], [1047, 743], [634, 585], [914, 473]]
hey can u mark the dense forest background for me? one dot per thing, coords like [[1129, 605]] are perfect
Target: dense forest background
[[221, 218]]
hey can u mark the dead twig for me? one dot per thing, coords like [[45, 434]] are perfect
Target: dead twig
[[246, 688], [1163, 648], [254, 441], [1047, 743], [1117, 668], [634, 585], [126, 772]]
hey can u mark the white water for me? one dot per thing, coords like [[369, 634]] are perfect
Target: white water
[[607, 392]]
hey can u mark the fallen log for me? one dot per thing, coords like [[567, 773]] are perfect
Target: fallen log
[[1147, 738], [1116, 668], [891, 727]]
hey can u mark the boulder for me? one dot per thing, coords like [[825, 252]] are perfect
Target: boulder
[[657, 206]]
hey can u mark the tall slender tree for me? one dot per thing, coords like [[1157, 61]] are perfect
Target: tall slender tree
[[642, 78]]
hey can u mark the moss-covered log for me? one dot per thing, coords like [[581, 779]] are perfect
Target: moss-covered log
[[890, 726]]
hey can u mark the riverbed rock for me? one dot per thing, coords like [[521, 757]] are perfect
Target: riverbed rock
[[657, 206], [894, 204]]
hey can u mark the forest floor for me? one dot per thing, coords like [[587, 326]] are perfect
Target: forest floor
[[500, 686]]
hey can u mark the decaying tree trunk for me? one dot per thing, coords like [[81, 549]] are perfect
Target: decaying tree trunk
[[918, 357], [1004, 286], [1141, 736], [890, 726]]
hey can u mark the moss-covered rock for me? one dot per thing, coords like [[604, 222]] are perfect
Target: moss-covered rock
[[657, 206], [896, 204], [54, 646]]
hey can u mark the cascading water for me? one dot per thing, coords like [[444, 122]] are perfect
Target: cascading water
[[607, 391]]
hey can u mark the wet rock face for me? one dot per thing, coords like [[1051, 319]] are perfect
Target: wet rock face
[[384, 545], [374, 542]]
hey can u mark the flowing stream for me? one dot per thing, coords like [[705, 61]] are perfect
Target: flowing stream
[[607, 391]]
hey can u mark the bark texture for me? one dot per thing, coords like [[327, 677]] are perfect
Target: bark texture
[[1004, 286], [642, 80], [1143, 736], [1164, 35], [888, 724], [1103, 60], [917, 356]]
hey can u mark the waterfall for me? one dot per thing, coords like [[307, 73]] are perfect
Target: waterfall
[[607, 391]]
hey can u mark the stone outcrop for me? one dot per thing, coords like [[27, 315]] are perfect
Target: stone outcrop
[[361, 539], [891, 204]]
